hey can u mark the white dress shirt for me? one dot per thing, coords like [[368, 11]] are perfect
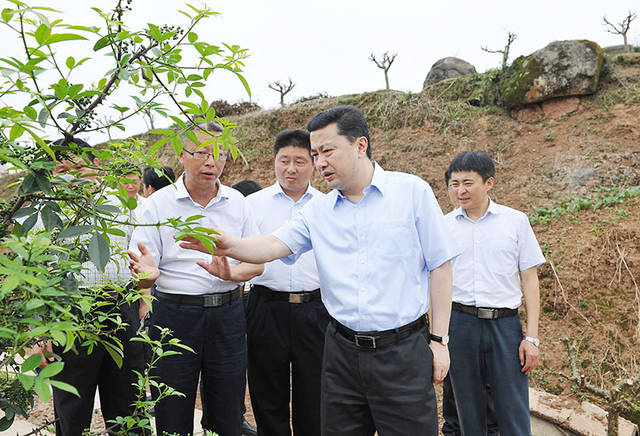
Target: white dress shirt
[[271, 208], [494, 250], [374, 256], [179, 273]]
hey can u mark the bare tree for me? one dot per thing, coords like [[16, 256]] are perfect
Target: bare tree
[[622, 28], [615, 398], [384, 64], [505, 51], [282, 88]]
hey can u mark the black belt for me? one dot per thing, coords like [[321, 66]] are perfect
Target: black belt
[[484, 312], [291, 297], [373, 340], [205, 300]]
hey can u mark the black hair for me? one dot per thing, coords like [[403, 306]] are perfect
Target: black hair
[[247, 187], [81, 146], [477, 161], [151, 178], [292, 137], [350, 121], [128, 169]]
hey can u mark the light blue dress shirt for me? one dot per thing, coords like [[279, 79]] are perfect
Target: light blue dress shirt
[[374, 256], [494, 250], [271, 208]]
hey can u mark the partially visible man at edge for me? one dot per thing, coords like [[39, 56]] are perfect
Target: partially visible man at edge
[[88, 371], [383, 254], [204, 311]]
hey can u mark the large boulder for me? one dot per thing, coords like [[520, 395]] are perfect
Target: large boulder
[[448, 68], [563, 68]]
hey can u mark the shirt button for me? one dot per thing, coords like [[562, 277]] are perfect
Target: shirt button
[[361, 289], [362, 261]]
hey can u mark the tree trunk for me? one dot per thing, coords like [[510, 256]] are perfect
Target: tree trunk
[[386, 79], [627, 49], [612, 422]]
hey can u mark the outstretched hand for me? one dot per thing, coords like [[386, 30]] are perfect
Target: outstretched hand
[[219, 267], [144, 264]]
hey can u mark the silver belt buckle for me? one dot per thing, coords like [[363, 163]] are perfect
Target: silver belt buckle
[[486, 313], [296, 298], [212, 300], [359, 338]]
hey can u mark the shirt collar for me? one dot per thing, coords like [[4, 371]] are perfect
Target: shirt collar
[[378, 182], [181, 190], [493, 209], [277, 190]]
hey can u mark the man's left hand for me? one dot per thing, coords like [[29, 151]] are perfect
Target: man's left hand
[[440, 361], [219, 267], [529, 355]]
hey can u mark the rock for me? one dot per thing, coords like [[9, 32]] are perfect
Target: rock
[[448, 68], [558, 108], [528, 114], [476, 89], [561, 69]]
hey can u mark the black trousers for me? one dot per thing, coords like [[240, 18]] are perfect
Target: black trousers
[[388, 390], [285, 340], [98, 370]]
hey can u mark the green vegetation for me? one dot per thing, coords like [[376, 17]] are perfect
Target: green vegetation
[[603, 198]]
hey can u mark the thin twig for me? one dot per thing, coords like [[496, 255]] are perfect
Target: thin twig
[[564, 294], [633, 279]]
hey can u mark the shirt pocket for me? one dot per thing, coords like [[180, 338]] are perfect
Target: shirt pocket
[[393, 239], [503, 255]]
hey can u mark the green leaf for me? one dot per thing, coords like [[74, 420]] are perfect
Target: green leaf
[[114, 352], [59, 37], [74, 231], [51, 369], [115, 230], [162, 132], [176, 144], [25, 211], [42, 33], [50, 219], [244, 83], [9, 284], [70, 62], [154, 32], [7, 14], [159, 143], [43, 183], [33, 304], [64, 387], [43, 116], [43, 390], [29, 223], [30, 112], [193, 37], [31, 363], [102, 43], [29, 185], [99, 251], [27, 380], [16, 131]]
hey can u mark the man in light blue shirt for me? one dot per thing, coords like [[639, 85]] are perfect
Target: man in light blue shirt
[[497, 267], [383, 254], [286, 320]]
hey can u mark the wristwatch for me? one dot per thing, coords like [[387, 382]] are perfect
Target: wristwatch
[[534, 341], [444, 340]]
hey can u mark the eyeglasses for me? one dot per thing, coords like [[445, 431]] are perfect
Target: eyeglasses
[[203, 155]]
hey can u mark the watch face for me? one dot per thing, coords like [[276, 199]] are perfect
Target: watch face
[[445, 339]]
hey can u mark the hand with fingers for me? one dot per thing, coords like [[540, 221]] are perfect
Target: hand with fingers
[[145, 265], [441, 361], [219, 267], [222, 243], [529, 355]]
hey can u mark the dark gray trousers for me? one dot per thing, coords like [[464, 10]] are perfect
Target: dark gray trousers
[[388, 390], [485, 352]]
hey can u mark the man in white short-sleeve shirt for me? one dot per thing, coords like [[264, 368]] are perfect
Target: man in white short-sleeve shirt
[[498, 265]]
